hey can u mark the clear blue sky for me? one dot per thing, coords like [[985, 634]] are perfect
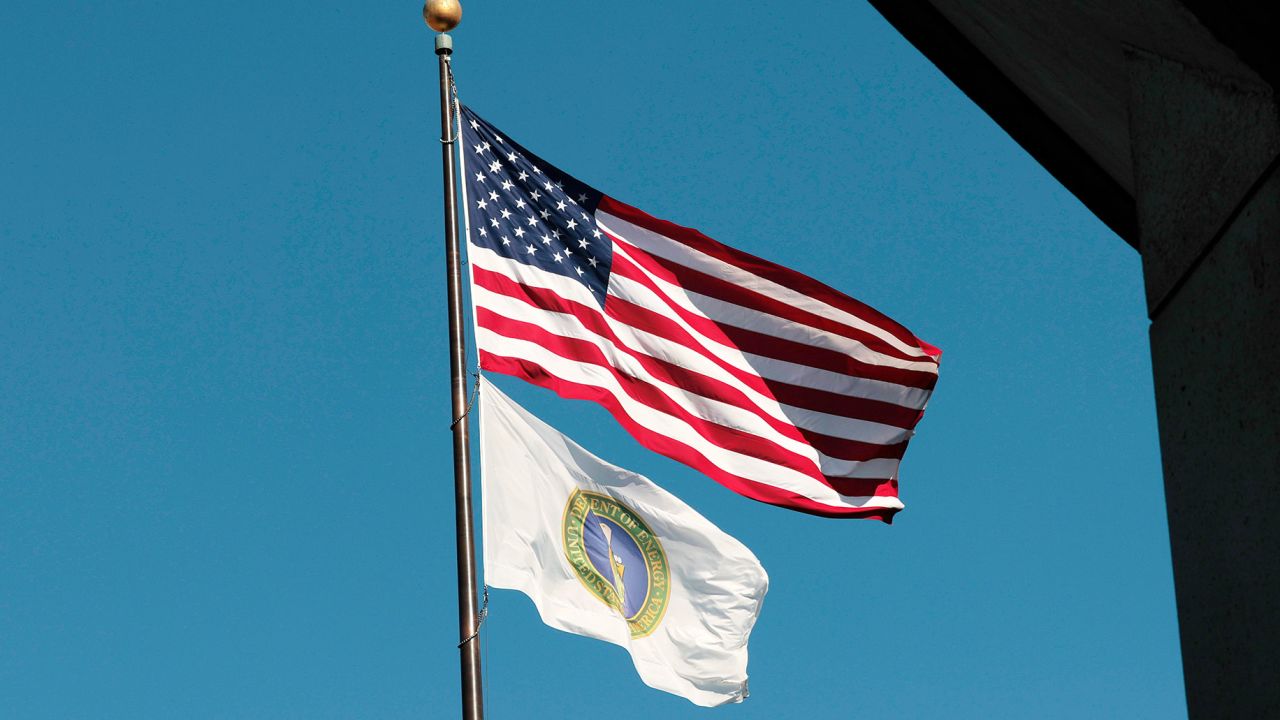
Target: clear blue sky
[[225, 483]]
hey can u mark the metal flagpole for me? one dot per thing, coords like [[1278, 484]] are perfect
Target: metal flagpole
[[444, 15]]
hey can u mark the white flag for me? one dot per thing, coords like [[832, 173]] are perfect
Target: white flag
[[605, 553]]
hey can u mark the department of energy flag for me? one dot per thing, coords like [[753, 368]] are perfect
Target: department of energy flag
[[766, 380], [605, 553]]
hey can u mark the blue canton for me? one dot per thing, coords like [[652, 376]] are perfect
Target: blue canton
[[524, 209]]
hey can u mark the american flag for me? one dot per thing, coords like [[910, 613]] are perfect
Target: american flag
[[769, 382]]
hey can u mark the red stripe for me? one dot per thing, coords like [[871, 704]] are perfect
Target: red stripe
[[765, 269], [840, 448], [678, 451], [705, 386], [860, 487]]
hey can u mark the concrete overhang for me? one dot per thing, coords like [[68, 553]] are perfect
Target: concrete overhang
[[1055, 75]]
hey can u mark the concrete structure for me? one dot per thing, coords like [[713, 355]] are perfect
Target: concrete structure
[[1161, 117]]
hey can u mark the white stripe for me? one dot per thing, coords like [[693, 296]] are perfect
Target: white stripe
[[745, 466], [661, 348], [678, 252], [532, 276], [707, 409]]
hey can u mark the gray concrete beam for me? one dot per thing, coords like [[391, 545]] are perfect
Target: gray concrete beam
[[1214, 350], [1208, 196]]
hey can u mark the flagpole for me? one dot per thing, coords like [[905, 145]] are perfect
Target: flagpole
[[443, 15]]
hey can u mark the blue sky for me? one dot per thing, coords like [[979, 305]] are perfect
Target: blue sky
[[225, 483]]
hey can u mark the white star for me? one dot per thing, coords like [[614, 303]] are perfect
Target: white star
[[535, 195], [555, 232], [533, 221], [531, 249], [571, 224], [506, 240], [596, 233], [482, 204], [536, 171], [544, 213], [585, 217], [523, 176], [519, 232], [480, 177], [582, 243], [479, 149], [505, 213], [506, 184], [546, 239], [560, 205], [484, 233], [582, 198], [493, 222], [547, 186], [592, 261], [475, 126], [511, 157], [558, 257], [493, 195], [560, 185], [578, 269], [519, 204], [493, 166], [486, 146], [499, 138]]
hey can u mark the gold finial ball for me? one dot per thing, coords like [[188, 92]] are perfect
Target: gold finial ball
[[442, 15]]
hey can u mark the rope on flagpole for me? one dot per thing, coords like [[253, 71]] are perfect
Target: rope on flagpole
[[475, 390], [453, 88], [484, 614]]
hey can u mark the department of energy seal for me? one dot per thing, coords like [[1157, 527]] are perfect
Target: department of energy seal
[[618, 558]]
